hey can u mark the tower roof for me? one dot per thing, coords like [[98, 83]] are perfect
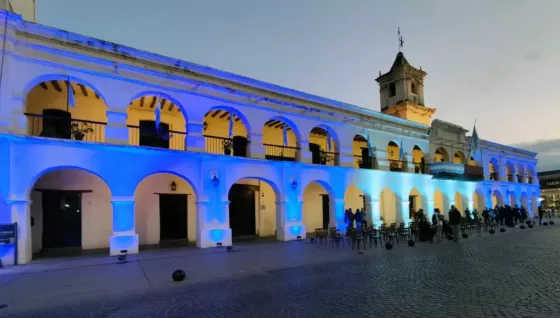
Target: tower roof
[[400, 60]]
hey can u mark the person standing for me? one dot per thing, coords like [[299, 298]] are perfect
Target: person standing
[[455, 220], [541, 214]]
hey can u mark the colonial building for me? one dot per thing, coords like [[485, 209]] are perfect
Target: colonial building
[[108, 147]]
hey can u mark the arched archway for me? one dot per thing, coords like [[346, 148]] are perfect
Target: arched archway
[[324, 146], [512, 198], [439, 202], [493, 169], [459, 158], [318, 206], [479, 201], [395, 157], [497, 199], [459, 202], [510, 171], [71, 211], [520, 171], [441, 155], [253, 208], [65, 108], [419, 160], [361, 149], [165, 210], [388, 206], [281, 140], [472, 162], [226, 132], [525, 201], [415, 203], [156, 120], [356, 199]]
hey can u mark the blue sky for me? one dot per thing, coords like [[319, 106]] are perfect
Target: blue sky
[[494, 61]]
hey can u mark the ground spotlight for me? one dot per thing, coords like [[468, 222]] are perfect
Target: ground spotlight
[[219, 244], [491, 231], [545, 223], [229, 249], [551, 222], [122, 257], [502, 230], [450, 237], [465, 235], [298, 238], [388, 245], [522, 226], [178, 275], [530, 226], [312, 240], [411, 243]]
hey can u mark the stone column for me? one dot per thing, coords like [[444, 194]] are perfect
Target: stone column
[[374, 212], [116, 131], [346, 157], [382, 163], [336, 215], [289, 221], [404, 212], [19, 123], [429, 206], [195, 137], [304, 153], [256, 148], [212, 224], [488, 196], [124, 235], [21, 213], [409, 163]]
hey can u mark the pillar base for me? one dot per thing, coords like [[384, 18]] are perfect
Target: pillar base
[[290, 232], [211, 237], [128, 242]]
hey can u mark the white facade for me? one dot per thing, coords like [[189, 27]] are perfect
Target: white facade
[[115, 88]]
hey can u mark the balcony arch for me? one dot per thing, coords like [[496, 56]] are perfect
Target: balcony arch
[[419, 160], [459, 158], [441, 155], [493, 168], [281, 139], [394, 157], [226, 131], [472, 162], [324, 146], [361, 150], [156, 119], [510, 171], [64, 107]]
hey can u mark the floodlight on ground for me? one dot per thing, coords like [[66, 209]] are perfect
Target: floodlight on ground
[[178, 275]]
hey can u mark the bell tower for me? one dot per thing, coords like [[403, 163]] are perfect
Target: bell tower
[[401, 91]]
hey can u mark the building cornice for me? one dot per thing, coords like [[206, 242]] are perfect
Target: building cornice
[[499, 147]]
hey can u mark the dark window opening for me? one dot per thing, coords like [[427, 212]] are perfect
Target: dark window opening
[[392, 90]]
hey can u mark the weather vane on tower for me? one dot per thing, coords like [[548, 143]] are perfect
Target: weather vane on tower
[[401, 42]]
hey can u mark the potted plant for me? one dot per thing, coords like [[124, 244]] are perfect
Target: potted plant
[[80, 132], [227, 145]]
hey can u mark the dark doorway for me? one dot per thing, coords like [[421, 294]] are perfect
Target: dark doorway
[[173, 210], [315, 150], [239, 146], [326, 209], [62, 219], [151, 136], [56, 124], [242, 219], [411, 211]]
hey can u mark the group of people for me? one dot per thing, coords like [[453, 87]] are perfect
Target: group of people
[[355, 220]]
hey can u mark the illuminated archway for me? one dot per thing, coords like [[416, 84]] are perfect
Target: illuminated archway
[[324, 146], [497, 199], [459, 202], [361, 149], [415, 203], [441, 155], [493, 169], [281, 140], [66, 108], [439, 202], [226, 132], [71, 210], [165, 210], [318, 206], [388, 206], [479, 201], [156, 120], [459, 158], [419, 160], [394, 157], [525, 201]]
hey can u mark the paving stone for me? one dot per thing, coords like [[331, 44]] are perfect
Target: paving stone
[[508, 275]]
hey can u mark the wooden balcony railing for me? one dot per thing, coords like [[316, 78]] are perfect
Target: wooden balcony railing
[[151, 138], [519, 178], [236, 146], [325, 158], [494, 176], [529, 180], [396, 165], [280, 153], [510, 178], [65, 128], [419, 167], [363, 162]]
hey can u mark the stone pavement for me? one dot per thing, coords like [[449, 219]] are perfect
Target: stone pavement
[[512, 274]]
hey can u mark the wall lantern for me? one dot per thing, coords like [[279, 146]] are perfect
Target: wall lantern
[[214, 178], [173, 186], [293, 184]]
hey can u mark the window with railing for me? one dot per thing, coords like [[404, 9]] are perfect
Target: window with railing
[[235, 146], [280, 153], [420, 167], [519, 178], [396, 165], [529, 180], [363, 162], [56, 123], [510, 177], [494, 176], [147, 134]]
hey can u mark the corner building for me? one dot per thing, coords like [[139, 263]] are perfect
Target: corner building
[[108, 147]]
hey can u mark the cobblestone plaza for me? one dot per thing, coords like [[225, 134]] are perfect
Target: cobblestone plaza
[[510, 274]]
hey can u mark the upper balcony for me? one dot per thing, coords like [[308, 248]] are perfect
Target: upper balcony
[[510, 172]]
